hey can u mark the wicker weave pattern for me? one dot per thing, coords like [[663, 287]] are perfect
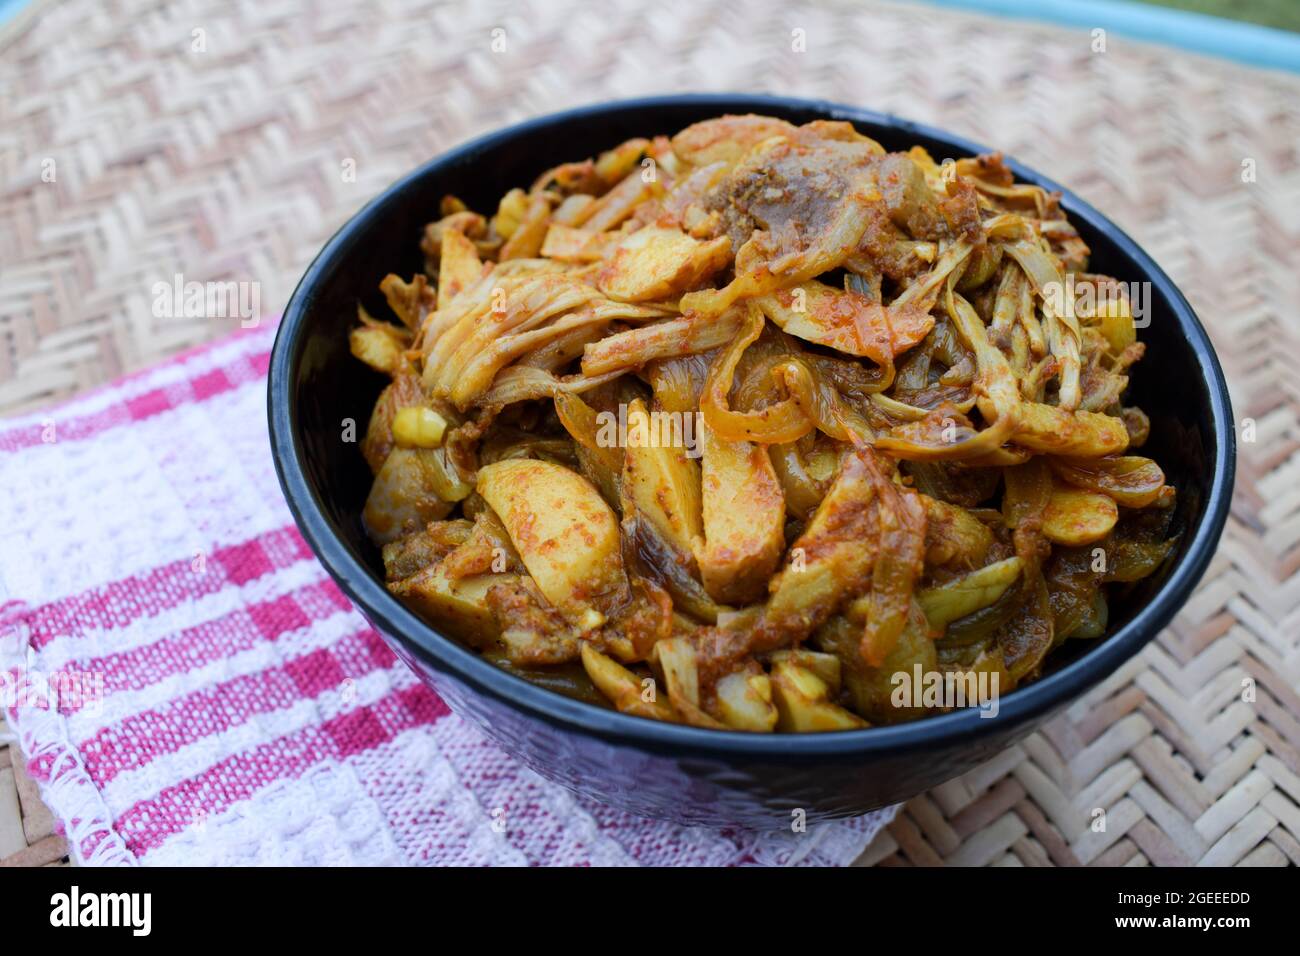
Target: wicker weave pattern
[[229, 164]]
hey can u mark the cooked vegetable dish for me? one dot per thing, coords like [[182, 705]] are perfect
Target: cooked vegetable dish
[[762, 427]]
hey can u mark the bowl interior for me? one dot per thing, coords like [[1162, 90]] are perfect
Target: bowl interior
[[1177, 383]]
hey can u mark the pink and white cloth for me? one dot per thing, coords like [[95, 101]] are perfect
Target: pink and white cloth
[[189, 686]]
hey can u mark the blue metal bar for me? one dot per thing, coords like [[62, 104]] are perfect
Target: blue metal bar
[[1244, 42]]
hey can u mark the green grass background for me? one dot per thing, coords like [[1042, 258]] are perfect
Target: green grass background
[[1282, 14]]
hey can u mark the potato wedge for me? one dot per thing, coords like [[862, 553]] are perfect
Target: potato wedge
[[571, 211], [403, 499], [624, 689], [803, 702], [459, 606], [613, 164], [655, 263], [511, 211], [1116, 321], [526, 240], [663, 482], [826, 666], [675, 659], [564, 532], [1076, 517], [381, 346], [744, 519], [745, 701], [1050, 430]]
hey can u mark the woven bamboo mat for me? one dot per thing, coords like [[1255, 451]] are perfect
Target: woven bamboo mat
[[226, 163]]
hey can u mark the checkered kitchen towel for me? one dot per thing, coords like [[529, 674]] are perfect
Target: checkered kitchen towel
[[218, 700]]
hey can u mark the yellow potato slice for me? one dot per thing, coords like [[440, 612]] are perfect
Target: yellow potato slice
[[564, 532], [1076, 517], [625, 690], [825, 665], [803, 701], [654, 263], [1116, 321], [460, 607], [381, 346], [403, 497], [663, 482], [745, 702], [511, 211], [744, 519], [1051, 430], [834, 555], [675, 659], [572, 210], [526, 241], [613, 164]]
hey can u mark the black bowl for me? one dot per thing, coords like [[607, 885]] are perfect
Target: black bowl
[[677, 772]]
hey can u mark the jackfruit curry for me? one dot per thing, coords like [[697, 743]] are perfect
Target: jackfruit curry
[[748, 427]]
